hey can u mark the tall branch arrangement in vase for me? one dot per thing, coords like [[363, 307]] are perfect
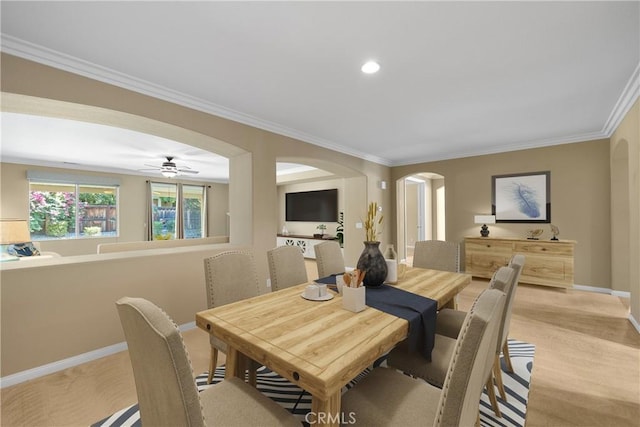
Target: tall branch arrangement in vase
[[372, 222]]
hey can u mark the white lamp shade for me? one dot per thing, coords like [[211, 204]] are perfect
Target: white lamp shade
[[484, 219], [13, 231]]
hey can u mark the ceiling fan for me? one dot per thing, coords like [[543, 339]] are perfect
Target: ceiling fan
[[169, 168]]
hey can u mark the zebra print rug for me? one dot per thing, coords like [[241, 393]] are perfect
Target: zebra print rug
[[298, 401]]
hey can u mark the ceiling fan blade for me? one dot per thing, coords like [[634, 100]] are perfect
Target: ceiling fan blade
[[187, 171], [152, 166], [148, 170]]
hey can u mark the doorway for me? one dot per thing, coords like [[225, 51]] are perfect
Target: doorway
[[421, 210]]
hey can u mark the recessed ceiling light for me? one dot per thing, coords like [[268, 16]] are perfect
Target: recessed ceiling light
[[370, 67]]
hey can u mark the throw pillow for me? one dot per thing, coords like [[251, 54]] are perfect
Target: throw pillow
[[23, 249]]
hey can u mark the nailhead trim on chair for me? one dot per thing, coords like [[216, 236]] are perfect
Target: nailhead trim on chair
[[445, 391]]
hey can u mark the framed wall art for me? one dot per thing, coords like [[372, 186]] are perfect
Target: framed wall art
[[522, 197]]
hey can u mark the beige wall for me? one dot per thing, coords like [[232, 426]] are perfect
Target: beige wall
[[625, 207], [33, 88], [57, 308], [580, 197], [580, 193], [252, 152], [132, 194]]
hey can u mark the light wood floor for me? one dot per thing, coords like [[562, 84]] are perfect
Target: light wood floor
[[586, 367]]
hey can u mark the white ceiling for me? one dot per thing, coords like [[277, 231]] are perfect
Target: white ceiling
[[456, 78]]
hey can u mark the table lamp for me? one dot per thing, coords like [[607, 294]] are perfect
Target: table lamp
[[12, 231], [484, 220]]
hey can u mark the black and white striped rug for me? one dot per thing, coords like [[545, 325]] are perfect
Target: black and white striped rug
[[298, 401]]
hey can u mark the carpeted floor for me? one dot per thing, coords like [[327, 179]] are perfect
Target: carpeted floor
[[298, 401]]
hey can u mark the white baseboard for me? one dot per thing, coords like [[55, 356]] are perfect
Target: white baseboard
[[621, 294], [70, 362], [634, 322]]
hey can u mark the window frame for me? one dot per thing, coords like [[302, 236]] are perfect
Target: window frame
[[76, 234], [179, 227]]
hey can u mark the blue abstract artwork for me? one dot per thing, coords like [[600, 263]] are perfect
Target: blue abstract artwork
[[521, 197]]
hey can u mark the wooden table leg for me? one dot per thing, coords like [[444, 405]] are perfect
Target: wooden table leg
[[452, 303], [326, 412], [234, 366]]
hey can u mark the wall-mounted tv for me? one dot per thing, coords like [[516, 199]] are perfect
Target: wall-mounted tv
[[313, 206]]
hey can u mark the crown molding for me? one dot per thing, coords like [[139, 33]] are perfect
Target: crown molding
[[528, 145], [50, 57], [629, 95], [33, 52]]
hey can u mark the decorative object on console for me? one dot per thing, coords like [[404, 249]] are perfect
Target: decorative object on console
[[12, 231], [340, 229], [555, 231], [371, 259], [321, 227], [484, 220], [523, 197], [534, 234]]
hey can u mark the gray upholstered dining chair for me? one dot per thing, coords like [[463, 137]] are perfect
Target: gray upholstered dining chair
[[450, 321], [286, 267], [437, 255], [435, 371], [388, 397], [230, 276], [167, 393], [329, 258]]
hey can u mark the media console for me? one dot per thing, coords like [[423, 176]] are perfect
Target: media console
[[305, 243]]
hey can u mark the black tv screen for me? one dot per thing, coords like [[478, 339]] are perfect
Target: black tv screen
[[315, 206]]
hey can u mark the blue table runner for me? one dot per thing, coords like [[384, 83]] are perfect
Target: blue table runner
[[419, 311]]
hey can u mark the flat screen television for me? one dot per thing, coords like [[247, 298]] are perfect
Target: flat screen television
[[313, 206]]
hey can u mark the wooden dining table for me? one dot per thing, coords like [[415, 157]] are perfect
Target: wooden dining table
[[318, 345]]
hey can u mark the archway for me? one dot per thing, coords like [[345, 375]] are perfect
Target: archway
[[85, 113], [352, 195]]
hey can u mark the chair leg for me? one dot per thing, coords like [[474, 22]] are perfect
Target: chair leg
[[213, 362], [492, 397], [253, 375], [497, 374], [507, 357]]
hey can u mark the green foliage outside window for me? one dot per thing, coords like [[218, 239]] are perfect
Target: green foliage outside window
[[54, 211]]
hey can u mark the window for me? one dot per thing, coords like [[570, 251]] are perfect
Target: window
[[193, 211], [173, 220], [69, 211], [163, 208]]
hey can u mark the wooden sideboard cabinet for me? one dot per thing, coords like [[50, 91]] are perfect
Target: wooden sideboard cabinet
[[547, 262]]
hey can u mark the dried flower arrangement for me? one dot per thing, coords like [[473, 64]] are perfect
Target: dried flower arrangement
[[372, 222]]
